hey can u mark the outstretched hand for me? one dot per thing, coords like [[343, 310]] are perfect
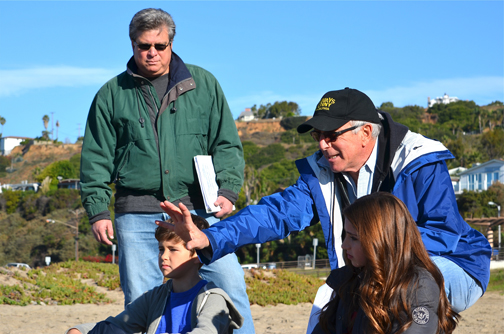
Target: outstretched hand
[[183, 226]]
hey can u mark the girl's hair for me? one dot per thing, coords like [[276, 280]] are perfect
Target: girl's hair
[[164, 234], [393, 247]]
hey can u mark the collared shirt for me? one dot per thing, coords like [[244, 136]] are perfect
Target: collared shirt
[[365, 180]]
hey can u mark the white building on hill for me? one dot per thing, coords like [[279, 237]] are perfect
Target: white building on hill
[[481, 176], [246, 115], [455, 178], [9, 142], [444, 100]]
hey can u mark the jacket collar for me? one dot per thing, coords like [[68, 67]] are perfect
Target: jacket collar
[[339, 276], [179, 76], [391, 136], [178, 70]]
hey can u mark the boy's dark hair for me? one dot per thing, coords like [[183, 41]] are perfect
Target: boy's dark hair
[[164, 234]]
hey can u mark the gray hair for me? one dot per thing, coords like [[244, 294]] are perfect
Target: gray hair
[[151, 19], [376, 127]]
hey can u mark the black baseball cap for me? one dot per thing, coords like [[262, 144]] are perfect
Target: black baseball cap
[[337, 107]]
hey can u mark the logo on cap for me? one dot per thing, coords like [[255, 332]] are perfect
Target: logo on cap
[[325, 103]]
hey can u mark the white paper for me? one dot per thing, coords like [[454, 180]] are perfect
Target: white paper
[[207, 181]]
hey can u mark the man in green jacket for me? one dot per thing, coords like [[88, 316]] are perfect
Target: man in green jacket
[[143, 130]]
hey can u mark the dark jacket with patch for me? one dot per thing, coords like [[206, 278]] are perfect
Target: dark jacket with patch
[[424, 305]]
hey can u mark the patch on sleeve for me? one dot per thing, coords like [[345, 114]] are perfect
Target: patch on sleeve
[[421, 315]]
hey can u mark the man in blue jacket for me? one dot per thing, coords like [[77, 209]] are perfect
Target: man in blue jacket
[[362, 150]]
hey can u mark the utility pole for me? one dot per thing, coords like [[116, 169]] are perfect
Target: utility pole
[[258, 247], [76, 212], [315, 243], [52, 221], [498, 216], [113, 253]]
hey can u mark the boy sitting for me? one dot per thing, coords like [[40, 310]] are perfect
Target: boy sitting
[[184, 304]]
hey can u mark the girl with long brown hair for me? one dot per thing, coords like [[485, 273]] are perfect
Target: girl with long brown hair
[[389, 284]]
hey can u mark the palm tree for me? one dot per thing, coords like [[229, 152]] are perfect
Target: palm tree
[[57, 127], [251, 185], [45, 119], [2, 122], [45, 134]]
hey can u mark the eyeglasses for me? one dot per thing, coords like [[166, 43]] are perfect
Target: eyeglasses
[[147, 47], [330, 136]]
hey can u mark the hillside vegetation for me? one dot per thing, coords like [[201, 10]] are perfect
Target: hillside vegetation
[[472, 133]]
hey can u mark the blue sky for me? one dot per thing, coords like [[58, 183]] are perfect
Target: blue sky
[[55, 55]]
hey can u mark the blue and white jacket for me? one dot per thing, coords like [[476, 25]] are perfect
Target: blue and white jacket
[[415, 172]]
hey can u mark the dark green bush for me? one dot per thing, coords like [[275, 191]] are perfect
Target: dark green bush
[[293, 137], [269, 154], [4, 163], [289, 123], [28, 205], [64, 198]]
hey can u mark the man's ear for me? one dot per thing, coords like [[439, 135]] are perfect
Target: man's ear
[[366, 134]]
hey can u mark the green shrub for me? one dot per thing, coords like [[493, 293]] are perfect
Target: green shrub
[[13, 295], [12, 198], [63, 168], [63, 199], [29, 204], [61, 283], [293, 137], [282, 173], [289, 123], [496, 280], [75, 161], [269, 154], [4, 163], [283, 287]]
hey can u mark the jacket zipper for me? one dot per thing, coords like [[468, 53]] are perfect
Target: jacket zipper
[[207, 293], [157, 140], [141, 119]]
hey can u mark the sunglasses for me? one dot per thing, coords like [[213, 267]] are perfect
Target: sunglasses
[[330, 136], [147, 47]]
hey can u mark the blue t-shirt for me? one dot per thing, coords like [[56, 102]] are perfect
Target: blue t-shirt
[[177, 315]]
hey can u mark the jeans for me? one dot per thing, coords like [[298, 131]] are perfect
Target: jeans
[[139, 270], [462, 290]]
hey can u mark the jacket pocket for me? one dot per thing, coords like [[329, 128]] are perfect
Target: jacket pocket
[[140, 169], [192, 135], [123, 154]]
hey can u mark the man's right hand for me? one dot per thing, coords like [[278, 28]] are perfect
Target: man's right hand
[[183, 226], [100, 229]]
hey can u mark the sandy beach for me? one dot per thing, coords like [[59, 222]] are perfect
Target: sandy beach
[[486, 316]]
